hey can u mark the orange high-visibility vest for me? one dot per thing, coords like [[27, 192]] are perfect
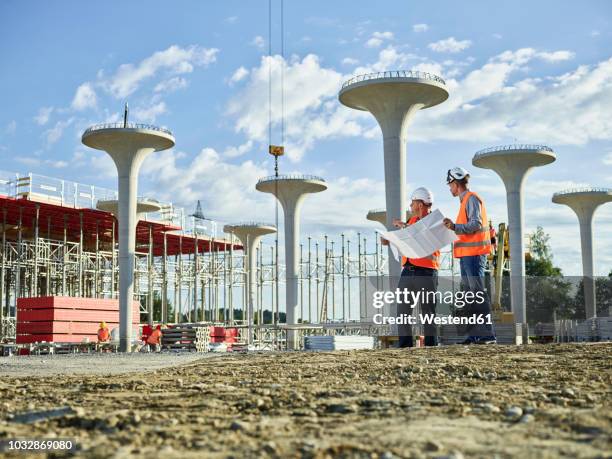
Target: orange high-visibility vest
[[103, 335], [478, 243], [432, 261], [155, 337]]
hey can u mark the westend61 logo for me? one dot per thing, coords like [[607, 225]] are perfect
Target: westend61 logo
[[459, 299]]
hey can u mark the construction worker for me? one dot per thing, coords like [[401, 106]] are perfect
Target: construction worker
[[103, 337], [418, 274], [103, 333], [472, 247], [154, 339]]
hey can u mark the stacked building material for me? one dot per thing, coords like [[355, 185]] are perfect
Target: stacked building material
[[338, 342], [505, 334], [180, 337], [64, 319], [590, 330], [198, 337]]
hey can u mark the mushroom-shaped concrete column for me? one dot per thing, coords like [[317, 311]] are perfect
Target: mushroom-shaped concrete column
[[380, 216], [128, 144], [143, 207], [584, 202], [250, 234], [393, 98], [290, 190], [512, 163]]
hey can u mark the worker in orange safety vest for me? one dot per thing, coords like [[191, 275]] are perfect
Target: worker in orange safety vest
[[103, 333], [154, 339], [472, 247], [418, 274]]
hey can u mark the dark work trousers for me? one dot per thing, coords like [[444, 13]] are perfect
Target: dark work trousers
[[415, 278]]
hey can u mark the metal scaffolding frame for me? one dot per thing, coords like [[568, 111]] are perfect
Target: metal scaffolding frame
[[180, 276]]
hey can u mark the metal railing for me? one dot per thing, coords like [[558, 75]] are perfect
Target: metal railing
[[394, 74], [498, 148], [290, 177], [376, 211], [250, 224], [72, 194], [583, 190], [150, 127]]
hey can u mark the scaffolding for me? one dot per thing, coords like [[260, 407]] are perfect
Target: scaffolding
[[55, 243]]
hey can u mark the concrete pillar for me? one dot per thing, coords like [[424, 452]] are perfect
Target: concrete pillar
[[291, 191], [128, 145], [513, 163], [250, 235], [393, 98], [584, 202]]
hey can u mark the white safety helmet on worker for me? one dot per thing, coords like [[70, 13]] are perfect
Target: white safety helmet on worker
[[422, 194], [456, 173]]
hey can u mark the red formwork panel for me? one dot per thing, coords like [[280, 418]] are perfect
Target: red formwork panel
[[70, 302], [56, 338], [217, 331], [231, 332], [71, 315], [53, 327]]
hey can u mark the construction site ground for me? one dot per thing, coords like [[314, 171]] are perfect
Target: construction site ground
[[457, 401]]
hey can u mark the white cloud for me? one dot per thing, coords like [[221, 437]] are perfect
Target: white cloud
[[174, 61], [607, 160], [171, 85], [420, 28], [149, 114], [497, 36], [231, 19], [43, 116], [11, 127], [595, 33], [240, 74], [212, 181], [37, 162], [378, 38], [84, 98], [232, 152], [556, 56], [55, 133], [103, 165], [350, 61], [311, 110], [570, 109], [258, 42], [449, 45]]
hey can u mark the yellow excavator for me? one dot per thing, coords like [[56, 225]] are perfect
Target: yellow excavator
[[499, 262]]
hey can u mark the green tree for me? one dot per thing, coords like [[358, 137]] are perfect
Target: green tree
[[547, 291], [603, 298]]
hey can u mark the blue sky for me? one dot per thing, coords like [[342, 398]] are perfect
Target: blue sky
[[541, 74]]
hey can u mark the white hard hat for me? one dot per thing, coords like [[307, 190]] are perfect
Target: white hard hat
[[456, 173], [422, 194]]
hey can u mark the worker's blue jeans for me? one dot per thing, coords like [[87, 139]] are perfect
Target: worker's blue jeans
[[472, 279]]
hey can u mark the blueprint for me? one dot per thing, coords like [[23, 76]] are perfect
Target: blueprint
[[421, 238]]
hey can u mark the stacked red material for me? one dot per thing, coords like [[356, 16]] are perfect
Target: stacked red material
[[64, 319], [223, 335]]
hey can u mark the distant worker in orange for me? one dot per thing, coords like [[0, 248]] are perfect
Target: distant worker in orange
[[103, 333], [154, 340], [104, 337]]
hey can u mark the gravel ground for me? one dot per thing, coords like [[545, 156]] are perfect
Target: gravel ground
[[92, 364], [535, 401]]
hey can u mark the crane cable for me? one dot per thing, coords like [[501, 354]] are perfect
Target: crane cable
[[275, 314]]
